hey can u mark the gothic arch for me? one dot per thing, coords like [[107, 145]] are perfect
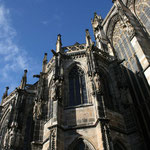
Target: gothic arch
[[106, 80], [81, 143], [77, 86], [142, 11], [66, 79], [111, 24], [75, 64]]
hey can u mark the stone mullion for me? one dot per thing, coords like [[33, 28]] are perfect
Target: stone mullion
[[141, 22], [74, 91], [81, 92], [147, 19]]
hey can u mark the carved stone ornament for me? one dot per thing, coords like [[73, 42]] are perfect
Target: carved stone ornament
[[75, 47], [56, 91], [53, 140], [54, 88], [37, 110], [12, 137], [97, 83], [111, 25]]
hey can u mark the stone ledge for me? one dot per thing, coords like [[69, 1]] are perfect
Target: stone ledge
[[78, 106]]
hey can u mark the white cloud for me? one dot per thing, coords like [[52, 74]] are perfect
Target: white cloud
[[12, 57], [45, 22]]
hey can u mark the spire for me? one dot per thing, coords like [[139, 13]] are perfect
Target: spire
[[88, 38], [6, 93], [58, 43], [24, 80], [44, 63]]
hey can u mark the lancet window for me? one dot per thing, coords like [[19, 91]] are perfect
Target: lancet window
[[77, 87]]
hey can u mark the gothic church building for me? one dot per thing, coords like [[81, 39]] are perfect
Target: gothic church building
[[91, 96]]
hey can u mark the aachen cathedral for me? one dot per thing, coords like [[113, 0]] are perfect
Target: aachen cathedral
[[91, 96]]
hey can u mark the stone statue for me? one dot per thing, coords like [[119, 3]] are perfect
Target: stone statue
[[53, 92], [37, 110], [60, 91], [56, 90], [97, 82]]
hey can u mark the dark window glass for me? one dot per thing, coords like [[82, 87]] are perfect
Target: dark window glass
[[81, 146], [77, 87]]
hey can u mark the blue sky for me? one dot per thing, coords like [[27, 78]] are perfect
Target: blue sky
[[29, 28]]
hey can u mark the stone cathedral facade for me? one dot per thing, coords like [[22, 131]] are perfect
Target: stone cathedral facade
[[91, 96]]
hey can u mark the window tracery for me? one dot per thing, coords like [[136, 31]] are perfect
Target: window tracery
[[123, 46], [77, 87], [142, 8]]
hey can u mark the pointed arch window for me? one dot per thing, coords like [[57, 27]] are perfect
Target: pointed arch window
[[77, 87], [81, 144]]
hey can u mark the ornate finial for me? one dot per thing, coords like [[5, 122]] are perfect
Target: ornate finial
[[88, 38], [24, 80], [6, 93], [58, 43], [96, 21], [45, 57]]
